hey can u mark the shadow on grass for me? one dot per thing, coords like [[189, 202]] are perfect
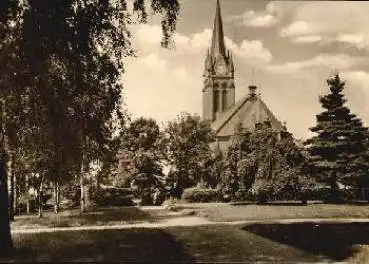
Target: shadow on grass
[[333, 240], [135, 245]]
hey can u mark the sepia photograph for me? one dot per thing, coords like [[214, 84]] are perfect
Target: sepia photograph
[[184, 131]]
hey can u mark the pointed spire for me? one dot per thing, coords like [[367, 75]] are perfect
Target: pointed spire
[[230, 62], [217, 44], [208, 64]]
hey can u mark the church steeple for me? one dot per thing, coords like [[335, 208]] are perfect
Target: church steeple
[[219, 89], [217, 43]]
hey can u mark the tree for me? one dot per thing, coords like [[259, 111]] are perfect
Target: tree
[[264, 162], [6, 244], [187, 141], [281, 162], [141, 144], [337, 148], [212, 169], [147, 176], [231, 181], [70, 76]]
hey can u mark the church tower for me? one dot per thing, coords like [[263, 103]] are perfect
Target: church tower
[[219, 89]]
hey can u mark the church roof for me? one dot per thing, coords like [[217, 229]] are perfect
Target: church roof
[[248, 111]]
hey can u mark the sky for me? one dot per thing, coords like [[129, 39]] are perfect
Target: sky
[[291, 46]]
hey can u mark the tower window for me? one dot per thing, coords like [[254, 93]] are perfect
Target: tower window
[[216, 101], [225, 105]]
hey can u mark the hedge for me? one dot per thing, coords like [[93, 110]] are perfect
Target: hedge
[[200, 195], [111, 196]]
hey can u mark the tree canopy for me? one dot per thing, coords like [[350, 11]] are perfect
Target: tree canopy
[[61, 63], [187, 140], [338, 149]]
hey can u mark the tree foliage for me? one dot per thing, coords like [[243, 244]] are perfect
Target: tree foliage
[[61, 63], [264, 161], [141, 156], [338, 149], [187, 141]]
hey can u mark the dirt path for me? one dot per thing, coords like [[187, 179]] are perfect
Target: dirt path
[[186, 221]]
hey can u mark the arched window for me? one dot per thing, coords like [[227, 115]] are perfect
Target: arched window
[[225, 105], [216, 101]]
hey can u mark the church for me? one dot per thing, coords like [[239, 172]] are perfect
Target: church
[[219, 106]]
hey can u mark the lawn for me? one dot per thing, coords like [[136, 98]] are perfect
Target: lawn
[[216, 212], [96, 216], [179, 244], [298, 242], [272, 243], [227, 212]]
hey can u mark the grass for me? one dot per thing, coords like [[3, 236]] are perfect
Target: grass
[[294, 243], [226, 212], [97, 216], [213, 212], [175, 244]]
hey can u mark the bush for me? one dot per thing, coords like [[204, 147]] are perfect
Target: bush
[[244, 195], [159, 196], [264, 195], [318, 193], [111, 196], [200, 195], [72, 193]]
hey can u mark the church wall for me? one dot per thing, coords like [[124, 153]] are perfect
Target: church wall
[[229, 128], [208, 104], [230, 98]]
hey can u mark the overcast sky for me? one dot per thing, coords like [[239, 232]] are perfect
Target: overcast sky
[[293, 47]]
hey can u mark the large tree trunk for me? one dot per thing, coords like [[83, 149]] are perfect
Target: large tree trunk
[[11, 188], [81, 182], [40, 198], [27, 193], [15, 190], [6, 243], [56, 193]]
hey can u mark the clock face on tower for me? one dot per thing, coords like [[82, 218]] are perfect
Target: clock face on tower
[[221, 67]]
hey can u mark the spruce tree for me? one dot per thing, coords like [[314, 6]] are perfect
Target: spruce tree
[[337, 149]]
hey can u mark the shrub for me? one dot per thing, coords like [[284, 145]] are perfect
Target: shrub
[[159, 196], [244, 195], [111, 196], [200, 195], [72, 193], [317, 193], [263, 195]]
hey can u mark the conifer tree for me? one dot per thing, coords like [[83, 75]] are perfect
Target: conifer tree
[[338, 148]]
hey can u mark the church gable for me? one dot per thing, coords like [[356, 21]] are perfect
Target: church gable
[[249, 112], [225, 123]]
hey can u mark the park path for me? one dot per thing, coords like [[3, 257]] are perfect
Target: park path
[[188, 221]]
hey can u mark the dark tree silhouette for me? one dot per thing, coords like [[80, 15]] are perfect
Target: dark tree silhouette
[[6, 244], [337, 151]]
